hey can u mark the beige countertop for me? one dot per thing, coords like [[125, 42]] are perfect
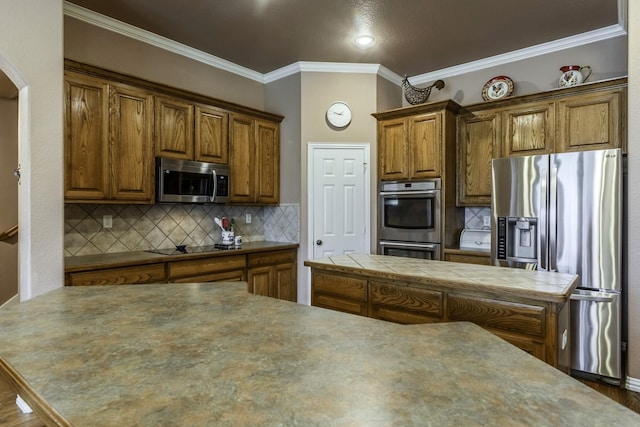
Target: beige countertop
[[213, 354], [123, 259], [541, 285]]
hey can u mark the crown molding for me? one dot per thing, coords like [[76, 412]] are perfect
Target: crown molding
[[153, 39], [526, 53]]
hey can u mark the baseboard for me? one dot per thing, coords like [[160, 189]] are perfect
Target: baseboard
[[632, 384], [13, 300]]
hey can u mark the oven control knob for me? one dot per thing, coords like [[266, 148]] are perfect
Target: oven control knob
[[319, 242]]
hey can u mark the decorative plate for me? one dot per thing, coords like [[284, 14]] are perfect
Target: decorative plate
[[497, 88]]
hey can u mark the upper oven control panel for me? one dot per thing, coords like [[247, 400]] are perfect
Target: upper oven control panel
[[395, 186]]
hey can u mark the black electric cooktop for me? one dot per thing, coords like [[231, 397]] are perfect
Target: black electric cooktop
[[183, 249]]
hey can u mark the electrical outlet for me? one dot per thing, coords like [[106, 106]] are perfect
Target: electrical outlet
[[486, 220], [107, 221], [247, 218]]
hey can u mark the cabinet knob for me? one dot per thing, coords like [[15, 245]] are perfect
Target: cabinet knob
[[319, 242]]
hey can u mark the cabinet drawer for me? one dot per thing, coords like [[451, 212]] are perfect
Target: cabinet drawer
[[349, 287], [509, 316], [418, 300], [226, 276], [201, 266], [153, 273], [271, 258], [468, 259], [340, 304]]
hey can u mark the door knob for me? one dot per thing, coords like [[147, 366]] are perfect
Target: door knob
[[319, 242]]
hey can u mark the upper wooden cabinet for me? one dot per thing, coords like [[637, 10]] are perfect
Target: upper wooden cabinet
[[585, 117], [174, 128], [211, 135], [411, 141], [479, 141], [255, 160], [108, 141]]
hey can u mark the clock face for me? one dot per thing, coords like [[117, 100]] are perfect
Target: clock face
[[339, 114]]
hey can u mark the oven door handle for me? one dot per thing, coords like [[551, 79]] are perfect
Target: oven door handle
[[408, 245], [407, 193]]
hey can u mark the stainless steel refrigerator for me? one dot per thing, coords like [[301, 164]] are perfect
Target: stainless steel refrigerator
[[563, 213]]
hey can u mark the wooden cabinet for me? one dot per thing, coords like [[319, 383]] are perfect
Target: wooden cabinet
[[108, 141], [211, 134], [405, 304], [174, 128], [255, 161], [210, 269], [479, 140], [592, 122], [339, 292], [273, 274], [410, 148], [529, 129], [148, 273], [468, 258]]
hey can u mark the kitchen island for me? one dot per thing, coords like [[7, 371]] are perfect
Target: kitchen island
[[529, 309], [213, 354]]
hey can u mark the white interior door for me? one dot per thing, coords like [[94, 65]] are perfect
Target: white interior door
[[339, 200]]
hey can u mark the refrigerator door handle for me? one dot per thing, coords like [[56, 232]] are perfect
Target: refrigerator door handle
[[592, 297], [543, 257], [553, 219]]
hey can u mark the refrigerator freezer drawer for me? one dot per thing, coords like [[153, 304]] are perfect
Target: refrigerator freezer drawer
[[595, 333]]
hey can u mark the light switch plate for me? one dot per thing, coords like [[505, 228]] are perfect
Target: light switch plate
[[247, 218]]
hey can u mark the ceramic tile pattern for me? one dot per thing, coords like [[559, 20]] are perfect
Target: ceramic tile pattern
[[542, 285], [144, 227], [212, 354], [474, 217]]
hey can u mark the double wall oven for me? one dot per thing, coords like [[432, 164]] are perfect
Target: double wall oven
[[410, 219]]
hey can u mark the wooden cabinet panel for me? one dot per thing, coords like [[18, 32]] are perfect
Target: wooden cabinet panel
[[404, 304], [225, 276], [153, 273], [267, 162], [211, 135], [479, 140], [131, 144], [509, 316], [529, 129], [349, 287], [274, 274], [242, 158], [393, 146], [468, 259], [345, 305], [174, 128], [200, 266], [532, 346], [271, 258], [286, 282], [591, 122], [260, 280], [425, 146], [86, 147]]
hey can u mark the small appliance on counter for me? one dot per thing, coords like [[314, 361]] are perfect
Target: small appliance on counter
[[475, 240]]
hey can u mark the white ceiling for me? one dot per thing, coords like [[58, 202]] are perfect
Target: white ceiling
[[413, 37]]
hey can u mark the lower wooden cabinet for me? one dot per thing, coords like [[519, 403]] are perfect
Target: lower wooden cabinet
[[468, 258], [212, 269], [536, 327], [273, 274]]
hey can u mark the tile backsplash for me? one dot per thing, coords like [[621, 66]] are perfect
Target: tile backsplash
[[144, 227], [474, 217]]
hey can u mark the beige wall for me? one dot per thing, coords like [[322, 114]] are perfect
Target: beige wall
[[633, 200], [8, 197], [31, 56], [607, 58], [97, 46]]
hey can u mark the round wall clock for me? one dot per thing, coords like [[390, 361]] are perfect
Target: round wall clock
[[339, 114]]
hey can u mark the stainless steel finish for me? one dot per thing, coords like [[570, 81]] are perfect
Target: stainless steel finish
[[577, 198], [209, 171], [214, 190], [595, 333], [410, 249]]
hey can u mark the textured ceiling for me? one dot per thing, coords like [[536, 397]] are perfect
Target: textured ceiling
[[412, 36]]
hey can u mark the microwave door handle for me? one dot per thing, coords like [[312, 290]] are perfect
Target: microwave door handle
[[214, 177]]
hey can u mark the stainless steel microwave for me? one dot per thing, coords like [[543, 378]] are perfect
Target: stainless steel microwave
[[187, 181]]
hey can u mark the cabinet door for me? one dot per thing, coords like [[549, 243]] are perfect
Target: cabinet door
[[393, 149], [131, 144], [267, 163], [468, 259], [211, 137], [86, 144], [529, 130], [260, 281], [591, 122], [425, 145], [174, 128], [286, 285], [478, 143], [242, 159]]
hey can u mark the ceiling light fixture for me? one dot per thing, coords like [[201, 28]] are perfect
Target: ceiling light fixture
[[365, 40]]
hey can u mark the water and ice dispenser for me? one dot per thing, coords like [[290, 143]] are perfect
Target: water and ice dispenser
[[517, 239]]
